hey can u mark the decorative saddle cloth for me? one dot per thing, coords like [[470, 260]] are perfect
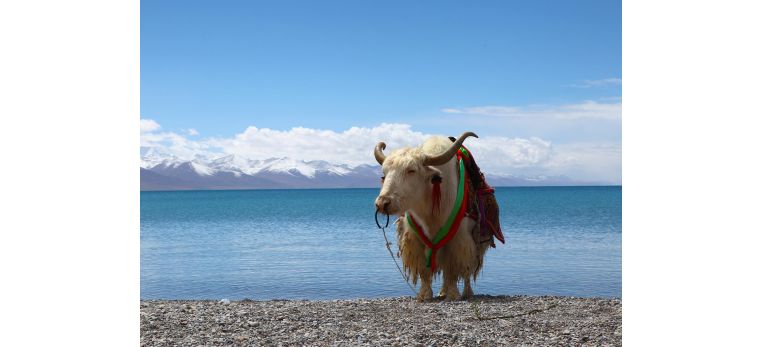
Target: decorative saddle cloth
[[482, 205]]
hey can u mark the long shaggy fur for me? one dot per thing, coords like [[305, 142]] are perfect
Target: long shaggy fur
[[459, 259]]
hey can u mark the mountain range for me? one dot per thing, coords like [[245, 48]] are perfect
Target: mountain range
[[162, 171]]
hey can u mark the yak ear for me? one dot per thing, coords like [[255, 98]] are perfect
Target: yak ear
[[431, 171]]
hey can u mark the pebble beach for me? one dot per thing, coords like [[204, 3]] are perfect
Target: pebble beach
[[481, 321]]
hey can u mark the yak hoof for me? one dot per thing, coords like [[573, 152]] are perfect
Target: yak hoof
[[442, 292], [424, 295], [467, 294], [452, 295]]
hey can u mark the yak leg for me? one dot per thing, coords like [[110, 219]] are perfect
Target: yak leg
[[450, 286], [467, 291], [444, 288], [425, 293]]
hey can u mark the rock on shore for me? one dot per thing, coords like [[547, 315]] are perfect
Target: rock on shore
[[533, 321]]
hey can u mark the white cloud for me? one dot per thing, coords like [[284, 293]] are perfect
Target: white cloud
[[511, 152], [354, 146], [591, 161], [170, 142], [584, 110], [605, 82], [191, 132], [148, 125]]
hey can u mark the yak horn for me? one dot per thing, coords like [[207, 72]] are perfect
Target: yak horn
[[445, 157], [380, 157]]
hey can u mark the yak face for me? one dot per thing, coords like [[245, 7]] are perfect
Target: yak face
[[406, 183]]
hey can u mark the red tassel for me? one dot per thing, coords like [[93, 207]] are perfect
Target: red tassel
[[436, 194]]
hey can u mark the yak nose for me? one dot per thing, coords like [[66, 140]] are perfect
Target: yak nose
[[382, 203]]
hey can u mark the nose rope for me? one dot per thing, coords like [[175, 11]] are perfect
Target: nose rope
[[387, 219], [389, 248]]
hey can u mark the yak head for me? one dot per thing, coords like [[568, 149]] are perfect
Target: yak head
[[411, 174]]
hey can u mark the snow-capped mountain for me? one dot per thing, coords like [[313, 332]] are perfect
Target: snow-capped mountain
[[161, 170]]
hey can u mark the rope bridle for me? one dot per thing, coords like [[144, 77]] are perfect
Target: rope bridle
[[389, 248]]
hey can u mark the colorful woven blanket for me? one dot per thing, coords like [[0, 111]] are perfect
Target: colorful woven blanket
[[482, 205]]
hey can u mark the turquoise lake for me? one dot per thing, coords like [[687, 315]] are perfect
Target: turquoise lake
[[324, 244]]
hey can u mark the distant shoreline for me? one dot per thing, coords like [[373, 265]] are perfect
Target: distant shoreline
[[506, 320], [360, 188]]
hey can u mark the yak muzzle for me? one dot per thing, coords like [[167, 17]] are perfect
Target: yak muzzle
[[386, 205], [382, 203]]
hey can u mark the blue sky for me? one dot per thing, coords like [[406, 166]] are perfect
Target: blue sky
[[533, 69]]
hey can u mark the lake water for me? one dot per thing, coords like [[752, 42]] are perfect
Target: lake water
[[324, 244]]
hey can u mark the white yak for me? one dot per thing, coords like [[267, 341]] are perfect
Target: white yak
[[409, 189]]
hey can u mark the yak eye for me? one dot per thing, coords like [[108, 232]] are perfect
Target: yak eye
[[382, 178], [410, 171]]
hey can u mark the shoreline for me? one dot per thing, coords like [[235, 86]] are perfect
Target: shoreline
[[401, 321]]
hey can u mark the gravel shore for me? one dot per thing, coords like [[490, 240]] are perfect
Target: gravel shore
[[533, 321]]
